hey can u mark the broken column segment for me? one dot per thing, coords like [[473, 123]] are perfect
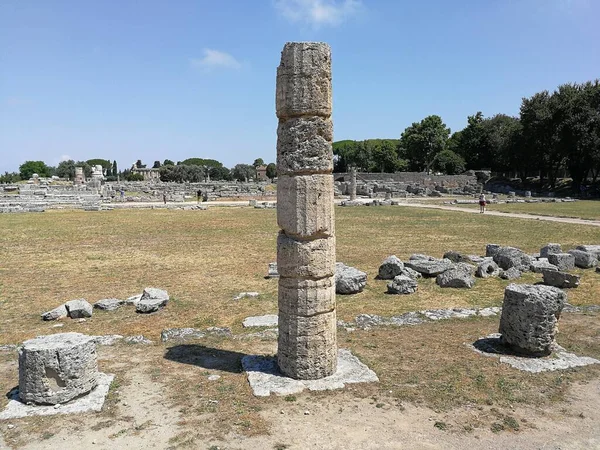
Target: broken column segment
[[307, 347], [57, 368], [529, 318]]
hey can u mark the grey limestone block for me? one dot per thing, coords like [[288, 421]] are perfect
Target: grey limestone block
[[560, 279], [349, 280], [304, 146], [540, 265], [152, 300], [307, 347], [390, 267], [583, 259], [304, 80], [511, 274], [491, 249], [305, 259], [455, 278], [595, 249], [59, 312], [508, 257], [402, 284], [109, 304], [429, 267], [548, 249], [487, 269], [306, 297], [57, 368], [305, 205], [79, 308], [564, 261], [529, 317]]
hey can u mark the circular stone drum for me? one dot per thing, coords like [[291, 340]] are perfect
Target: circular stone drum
[[529, 317], [57, 368]]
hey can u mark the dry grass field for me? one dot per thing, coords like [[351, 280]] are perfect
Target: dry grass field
[[205, 258]]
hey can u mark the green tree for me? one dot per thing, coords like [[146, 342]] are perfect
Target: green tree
[[449, 163], [115, 169], [423, 140], [258, 162], [28, 168], [243, 172], [385, 157], [168, 162], [106, 165], [66, 169], [271, 171], [156, 165], [139, 165], [200, 162], [220, 174], [10, 177]]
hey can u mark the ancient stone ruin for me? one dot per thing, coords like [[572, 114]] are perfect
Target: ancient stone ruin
[[57, 368], [529, 318], [307, 347]]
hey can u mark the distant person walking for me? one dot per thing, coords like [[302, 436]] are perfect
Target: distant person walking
[[482, 203], [199, 193], [165, 197], [122, 195]]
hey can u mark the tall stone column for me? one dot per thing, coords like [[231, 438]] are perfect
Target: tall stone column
[[353, 183], [307, 347]]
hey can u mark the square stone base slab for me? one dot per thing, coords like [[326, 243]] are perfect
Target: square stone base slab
[[560, 359], [90, 402], [266, 379]]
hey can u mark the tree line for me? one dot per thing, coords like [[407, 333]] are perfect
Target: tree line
[[188, 170], [556, 133]]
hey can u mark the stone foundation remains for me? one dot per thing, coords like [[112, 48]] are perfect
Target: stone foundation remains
[[57, 368]]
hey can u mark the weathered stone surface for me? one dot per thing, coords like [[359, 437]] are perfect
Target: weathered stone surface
[[550, 249], [133, 300], [349, 280], [265, 377], [492, 249], [583, 259], [59, 312], [108, 339], [540, 265], [511, 274], [306, 297], [430, 267], [181, 334], [79, 309], [408, 272], [560, 279], [91, 402], [109, 304], [594, 249], [305, 259], [402, 284], [304, 80], [456, 257], [152, 300], [307, 347], [508, 257], [561, 359], [529, 317], [564, 261], [487, 269], [391, 267], [444, 314], [57, 368], [455, 278], [272, 271], [304, 146], [139, 339], [419, 256], [268, 320], [305, 205]]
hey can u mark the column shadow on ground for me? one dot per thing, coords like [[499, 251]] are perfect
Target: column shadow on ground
[[206, 357]]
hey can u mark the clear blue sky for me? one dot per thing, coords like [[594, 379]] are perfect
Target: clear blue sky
[[125, 79]]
